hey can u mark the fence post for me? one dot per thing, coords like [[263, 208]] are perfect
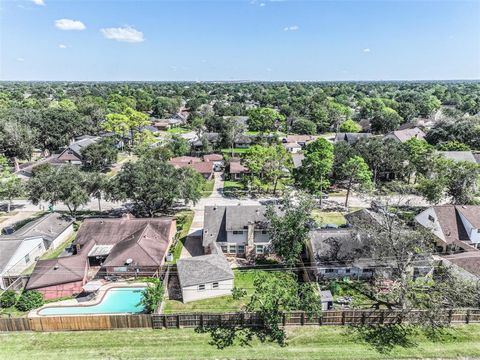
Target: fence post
[[363, 317], [302, 318], [467, 318], [320, 318], [343, 317], [382, 316], [165, 322], [450, 315], [178, 321], [201, 320], [284, 319]]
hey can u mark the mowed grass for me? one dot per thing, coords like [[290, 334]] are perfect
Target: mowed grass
[[327, 342], [328, 217], [184, 221], [243, 279]]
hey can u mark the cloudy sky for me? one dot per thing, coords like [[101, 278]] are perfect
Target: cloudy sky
[[239, 40]]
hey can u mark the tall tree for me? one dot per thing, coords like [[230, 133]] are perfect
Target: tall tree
[[10, 184], [316, 167], [265, 120], [356, 172], [154, 186], [16, 141], [289, 227]]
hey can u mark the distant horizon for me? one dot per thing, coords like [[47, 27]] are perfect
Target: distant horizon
[[239, 40]]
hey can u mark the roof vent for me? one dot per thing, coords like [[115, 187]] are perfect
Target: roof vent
[[128, 261], [55, 267]]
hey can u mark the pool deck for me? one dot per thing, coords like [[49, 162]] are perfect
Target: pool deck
[[97, 299]]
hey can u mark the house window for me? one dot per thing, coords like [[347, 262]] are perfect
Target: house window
[[232, 249], [478, 231], [215, 285], [259, 249], [367, 271], [431, 218], [347, 271], [27, 258], [264, 232], [237, 232], [241, 249], [224, 249], [201, 287], [329, 271]]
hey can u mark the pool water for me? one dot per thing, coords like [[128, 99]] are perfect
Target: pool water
[[116, 300]]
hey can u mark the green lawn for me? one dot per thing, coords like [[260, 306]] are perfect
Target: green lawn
[[178, 130], [233, 188], [327, 342], [236, 151], [243, 279], [331, 217], [208, 188], [184, 221]]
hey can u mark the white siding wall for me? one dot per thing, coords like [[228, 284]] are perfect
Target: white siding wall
[[33, 247], [237, 239], [423, 219], [472, 232], [261, 238], [191, 293], [62, 237]]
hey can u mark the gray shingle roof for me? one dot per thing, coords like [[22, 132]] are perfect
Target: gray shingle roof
[[79, 145], [47, 227], [203, 269], [459, 156]]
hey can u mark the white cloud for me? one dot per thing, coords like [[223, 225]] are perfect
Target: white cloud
[[262, 4], [20, 59], [39, 2], [366, 50], [62, 46], [125, 34], [68, 24], [291, 28]]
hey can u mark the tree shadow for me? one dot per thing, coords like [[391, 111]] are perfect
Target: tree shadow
[[384, 338]]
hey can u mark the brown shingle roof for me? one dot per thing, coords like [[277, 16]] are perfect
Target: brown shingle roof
[[213, 157], [237, 168], [185, 159]]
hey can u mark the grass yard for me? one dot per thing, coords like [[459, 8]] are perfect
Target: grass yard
[[243, 279], [233, 188], [328, 217], [236, 151], [178, 130], [184, 221], [208, 188], [327, 342]]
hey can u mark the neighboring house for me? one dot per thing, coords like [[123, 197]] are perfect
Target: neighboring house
[[301, 140], [297, 160], [212, 139], [243, 141], [190, 136], [456, 227], [165, 124], [351, 138], [239, 230], [73, 153], [216, 159], [338, 254], [203, 167], [237, 170], [467, 264], [21, 249], [292, 147], [467, 156], [122, 247], [203, 277], [406, 134]]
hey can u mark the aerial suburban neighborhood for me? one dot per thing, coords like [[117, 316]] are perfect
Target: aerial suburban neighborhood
[[231, 191]]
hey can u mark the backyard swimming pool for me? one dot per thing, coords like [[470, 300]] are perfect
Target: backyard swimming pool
[[115, 300]]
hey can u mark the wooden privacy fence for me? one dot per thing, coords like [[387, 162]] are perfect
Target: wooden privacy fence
[[193, 320]]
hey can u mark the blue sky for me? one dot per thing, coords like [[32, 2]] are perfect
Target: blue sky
[[239, 40]]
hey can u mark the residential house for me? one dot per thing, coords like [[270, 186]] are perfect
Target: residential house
[[204, 277], [73, 152], [467, 156], [292, 147], [351, 138], [216, 159], [297, 159], [236, 170], [212, 138], [456, 227], [21, 249], [238, 230], [203, 167], [338, 253], [301, 140], [122, 247], [406, 134], [243, 141]]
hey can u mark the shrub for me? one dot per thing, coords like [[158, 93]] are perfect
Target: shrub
[[152, 296], [8, 299], [29, 300]]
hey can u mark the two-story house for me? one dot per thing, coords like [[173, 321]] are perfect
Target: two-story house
[[456, 227], [239, 230]]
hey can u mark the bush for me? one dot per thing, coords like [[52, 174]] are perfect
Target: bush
[[29, 300], [8, 299], [152, 296]]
